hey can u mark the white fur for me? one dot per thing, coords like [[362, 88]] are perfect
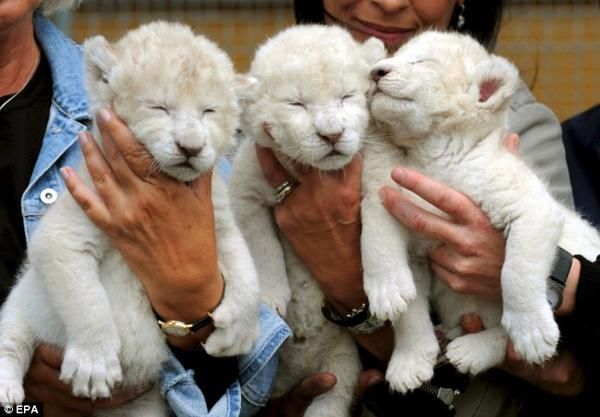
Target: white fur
[[309, 80], [76, 291], [442, 109]]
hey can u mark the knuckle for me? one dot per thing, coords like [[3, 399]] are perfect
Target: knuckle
[[101, 178], [418, 224]]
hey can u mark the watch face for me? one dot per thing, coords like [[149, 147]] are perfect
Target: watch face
[[554, 295], [173, 328]]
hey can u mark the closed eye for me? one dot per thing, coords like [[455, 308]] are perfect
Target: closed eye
[[159, 108], [421, 61], [207, 111], [348, 96], [297, 104]]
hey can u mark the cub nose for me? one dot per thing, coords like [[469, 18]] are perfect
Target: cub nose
[[188, 151], [380, 72], [331, 138]]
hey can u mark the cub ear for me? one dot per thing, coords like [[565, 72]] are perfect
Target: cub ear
[[246, 87], [495, 81], [100, 58], [373, 50]]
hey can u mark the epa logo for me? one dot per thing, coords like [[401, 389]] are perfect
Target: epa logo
[[25, 409]]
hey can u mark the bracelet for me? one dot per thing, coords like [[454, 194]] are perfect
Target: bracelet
[[359, 320]]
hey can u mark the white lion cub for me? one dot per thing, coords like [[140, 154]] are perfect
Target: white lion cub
[[442, 105], [309, 104], [176, 92]]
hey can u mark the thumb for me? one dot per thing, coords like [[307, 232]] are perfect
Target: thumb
[[471, 323]]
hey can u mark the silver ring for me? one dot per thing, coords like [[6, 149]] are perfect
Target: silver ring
[[284, 189]]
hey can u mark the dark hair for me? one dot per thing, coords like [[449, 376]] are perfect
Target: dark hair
[[482, 18]]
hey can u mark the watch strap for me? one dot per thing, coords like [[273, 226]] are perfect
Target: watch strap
[[359, 320], [562, 266]]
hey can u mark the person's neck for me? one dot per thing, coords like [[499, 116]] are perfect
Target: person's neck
[[18, 54]]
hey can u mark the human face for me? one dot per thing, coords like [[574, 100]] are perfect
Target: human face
[[392, 21], [14, 11]]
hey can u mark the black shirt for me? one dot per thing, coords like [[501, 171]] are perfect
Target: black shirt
[[22, 126]]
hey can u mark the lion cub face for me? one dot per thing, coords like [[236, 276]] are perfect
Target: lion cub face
[[309, 100], [174, 90], [442, 83]]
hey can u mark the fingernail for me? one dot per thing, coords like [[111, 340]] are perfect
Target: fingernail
[[104, 115], [65, 172], [83, 138], [398, 173]]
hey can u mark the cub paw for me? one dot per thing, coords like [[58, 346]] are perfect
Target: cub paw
[[93, 371], [408, 370], [278, 299], [233, 335], [389, 294], [11, 392], [472, 354], [534, 334]]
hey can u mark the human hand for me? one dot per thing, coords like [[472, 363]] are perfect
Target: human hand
[[470, 255], [42, 383], [164, 229], [299, 398], [321, 220], [560, 375]]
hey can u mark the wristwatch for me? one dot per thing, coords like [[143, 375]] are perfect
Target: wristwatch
[[359, 320], [180, 329], [558, 278]]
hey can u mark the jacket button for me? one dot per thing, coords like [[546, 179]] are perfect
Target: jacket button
[[48, 196]]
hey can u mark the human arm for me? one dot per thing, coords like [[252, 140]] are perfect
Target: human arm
[[321, 220], [164, 229]]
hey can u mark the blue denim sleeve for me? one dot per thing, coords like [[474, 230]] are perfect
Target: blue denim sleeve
[[250, 392]]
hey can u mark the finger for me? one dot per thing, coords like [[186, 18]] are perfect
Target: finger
[[511, 354], [113, 154], [202, 186], [471, 323], [274, 173], [57, 399], [367, 379], [48, 376], [512, 142], [121, 397], [49, 355], [455, 282], [132, 151], [309, 388], [457, 205], [93, 206], [417, 218]]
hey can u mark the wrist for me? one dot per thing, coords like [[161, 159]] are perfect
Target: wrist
[[188, 303]]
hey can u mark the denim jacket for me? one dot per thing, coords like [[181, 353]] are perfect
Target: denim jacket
[[244, 397], [69, 115]]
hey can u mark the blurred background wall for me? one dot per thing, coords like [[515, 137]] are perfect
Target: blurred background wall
[[555, 43]]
